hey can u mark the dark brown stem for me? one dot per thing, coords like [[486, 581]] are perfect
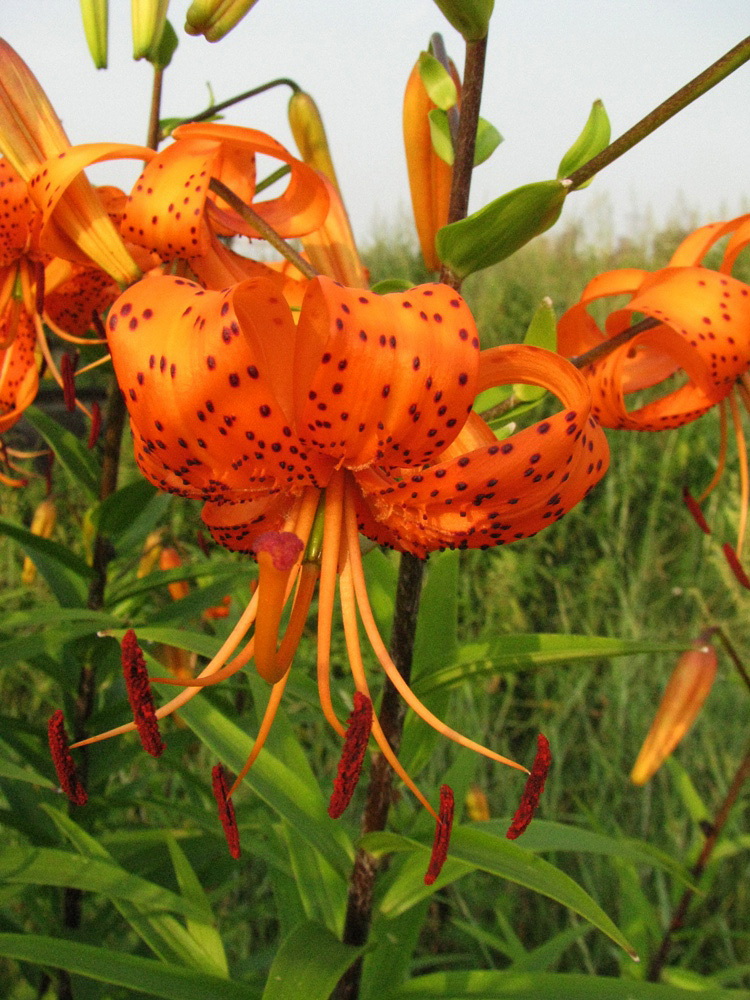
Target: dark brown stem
[[214, 109], [733, 656], [154, 132], [678, 918], [262, 227], [409, 588], [715, 73]]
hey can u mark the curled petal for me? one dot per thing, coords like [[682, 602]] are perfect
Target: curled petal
[[15, 221], [19, 376], [500, 492]]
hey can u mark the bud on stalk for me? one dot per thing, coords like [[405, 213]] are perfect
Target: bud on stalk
[[683, 699]]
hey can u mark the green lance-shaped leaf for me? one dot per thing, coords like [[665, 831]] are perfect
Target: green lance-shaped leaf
[[592, 140], [161, 56], [79, 463], [437, 81], [308, 964], [65, 573], [500, 228], [138, 975], [470, 17], [487, 140], [541, 332]]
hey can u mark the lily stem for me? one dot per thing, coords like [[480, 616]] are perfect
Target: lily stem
[[715, 73], [409, 587], [259, 224], [678, 918], [214, 109]]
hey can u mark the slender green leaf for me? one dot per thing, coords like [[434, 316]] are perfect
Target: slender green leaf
[[541, 332], [17, 773], [48, 866], [117, 513], [524, 652], [308, 964], [473, 848], [230, 572], [480, 984], [65, 572], [143, 975], [322, 890], [297, 801], [72, 454]]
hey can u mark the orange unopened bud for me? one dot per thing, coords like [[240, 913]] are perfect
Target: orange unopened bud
[[429, 176], [683, 699], [477, 806], [170, 559], [42, 524]]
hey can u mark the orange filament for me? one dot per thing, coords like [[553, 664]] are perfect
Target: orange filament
[[265, 728], [368, 620], [334, 500]]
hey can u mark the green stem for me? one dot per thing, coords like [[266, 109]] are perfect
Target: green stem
[[269, 234], [715, 73]]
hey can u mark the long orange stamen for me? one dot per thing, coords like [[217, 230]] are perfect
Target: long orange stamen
[[354, 653], [265, 728], [334, 499], [368, 620]]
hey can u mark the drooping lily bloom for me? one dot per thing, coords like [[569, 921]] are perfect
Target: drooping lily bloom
[[698, 348], [357, 419], [75, 224]]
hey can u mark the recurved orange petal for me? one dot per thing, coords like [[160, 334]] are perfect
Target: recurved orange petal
[[19, 378], [16, 212], [499, 492]]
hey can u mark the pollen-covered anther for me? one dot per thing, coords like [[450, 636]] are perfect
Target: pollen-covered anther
[[226, 810], [139, 695], [533, 790], [67, 373], [693, 506], [442, 835], [358, 729], [65, 766]]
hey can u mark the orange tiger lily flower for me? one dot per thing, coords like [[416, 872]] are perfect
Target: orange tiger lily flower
[[357, 419], [75, 223], [701, 334]]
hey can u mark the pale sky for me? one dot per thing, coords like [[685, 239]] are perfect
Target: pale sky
[[547, 62]]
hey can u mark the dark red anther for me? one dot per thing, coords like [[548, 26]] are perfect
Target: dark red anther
[[693, 506], [442, 835], [68, 370], [358, 729], [533, 790], [226, 810], [139, 694], [39, 287], [736, 566], [65, 766], [96, 424]]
